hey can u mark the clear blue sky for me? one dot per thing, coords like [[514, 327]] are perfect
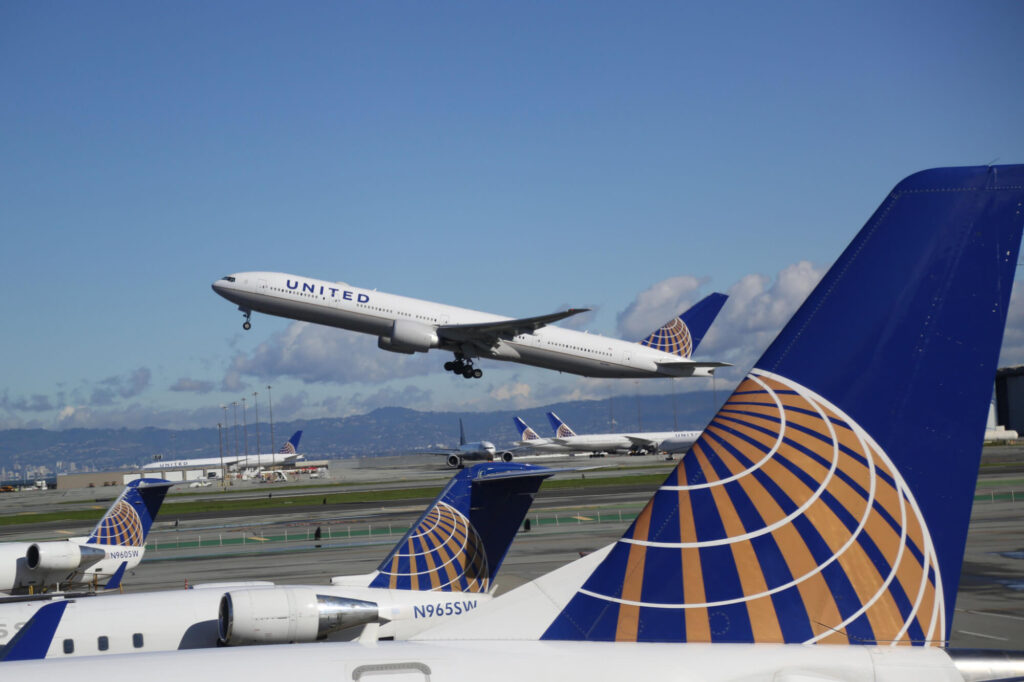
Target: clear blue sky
[[509, 157]]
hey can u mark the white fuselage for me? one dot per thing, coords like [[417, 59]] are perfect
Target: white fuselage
[[17, 578], [232, 462], [625, 442], [337, 304], [187, 619]]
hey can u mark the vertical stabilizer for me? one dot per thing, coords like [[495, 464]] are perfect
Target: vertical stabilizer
[[459, 542], [291, 446], [129, 519], [526, 433], [829, 498], [681, 335], [560, 428]]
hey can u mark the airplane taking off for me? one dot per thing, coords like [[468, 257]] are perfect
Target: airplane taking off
[[815, 531], [287, 453], [115, 545], [477, 451], [409, 325], [641, 441], [442, 569]]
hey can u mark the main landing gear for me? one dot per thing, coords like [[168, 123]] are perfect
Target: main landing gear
[[246, 325], [464, 366]]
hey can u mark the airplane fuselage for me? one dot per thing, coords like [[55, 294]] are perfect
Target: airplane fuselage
[[94, 562], [409, 325], [232, 462]]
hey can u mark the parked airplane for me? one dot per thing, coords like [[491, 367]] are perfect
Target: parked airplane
[[443, 568], [816, 529], [409, 325], [528, 438], [477, 451], [287, 453], [639, 442], [116, 544]]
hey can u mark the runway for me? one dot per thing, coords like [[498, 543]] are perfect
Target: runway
[[566, 522]]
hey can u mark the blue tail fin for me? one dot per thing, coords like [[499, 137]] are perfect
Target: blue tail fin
[[560, 428], [828, 500], [462, 433], [460, 541], [292, 445], [525, 432], [129, 519], [34, 638], [681, 335]]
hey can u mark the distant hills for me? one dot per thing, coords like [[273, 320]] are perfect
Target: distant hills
[[384, 431]]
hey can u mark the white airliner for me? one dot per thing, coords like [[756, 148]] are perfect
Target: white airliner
[[409, 325], [443, 568], [815, 531], [115, 545], [475, 451], [638, 442], [287, 453]]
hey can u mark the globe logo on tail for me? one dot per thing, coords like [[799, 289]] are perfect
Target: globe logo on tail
[[121, 526], [674, 337]]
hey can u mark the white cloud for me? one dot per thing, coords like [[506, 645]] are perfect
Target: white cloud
[[657, 305]]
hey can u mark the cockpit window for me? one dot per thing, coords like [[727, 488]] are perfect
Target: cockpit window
[[228, 278]]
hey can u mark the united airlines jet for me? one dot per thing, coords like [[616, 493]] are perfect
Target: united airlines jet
[[409, 325], [287, 453], [816, 529]]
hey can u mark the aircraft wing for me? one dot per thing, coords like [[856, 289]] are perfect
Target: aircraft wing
[[636, 440], [487, 333]]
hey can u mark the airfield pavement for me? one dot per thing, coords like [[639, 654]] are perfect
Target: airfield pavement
[[277, 545]]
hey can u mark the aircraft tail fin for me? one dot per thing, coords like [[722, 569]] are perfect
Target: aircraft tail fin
[[33, 640], [291, 446], [560, 428], [129, 519], [828, 500], [526, 433], [681, 335], [460, 541]]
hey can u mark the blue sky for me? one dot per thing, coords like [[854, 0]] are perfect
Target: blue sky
[[508, 157]]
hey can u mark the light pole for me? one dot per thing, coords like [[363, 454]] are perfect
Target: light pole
[[245, 433], [220, 443], [234, 408], [271, 403], [256, 407]]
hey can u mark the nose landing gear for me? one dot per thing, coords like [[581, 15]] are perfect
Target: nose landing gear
[[464, 366], [246, 325]]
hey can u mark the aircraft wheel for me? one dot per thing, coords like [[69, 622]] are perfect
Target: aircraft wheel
[[449, 366], [467, 373], [477, 373], [246, 325]]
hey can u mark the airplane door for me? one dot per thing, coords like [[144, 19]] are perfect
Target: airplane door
[[263, 284]]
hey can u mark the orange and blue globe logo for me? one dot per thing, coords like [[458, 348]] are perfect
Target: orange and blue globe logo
[[121, 526], [674, 337]]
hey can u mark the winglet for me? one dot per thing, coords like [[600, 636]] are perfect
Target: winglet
[[828, 500], [33, 640], [115, 580]]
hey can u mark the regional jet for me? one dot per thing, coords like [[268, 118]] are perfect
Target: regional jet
[[815, 531], [409, 325], [115, 545], [287, 453]]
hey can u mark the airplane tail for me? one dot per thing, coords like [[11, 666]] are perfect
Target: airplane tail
[[129, 519], [462, 433], [525, 432], [292, 446], [560, 428], [828, 500], [460, 541], [681, 335]]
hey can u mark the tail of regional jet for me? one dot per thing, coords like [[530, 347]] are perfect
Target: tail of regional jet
[[526, 433], [681, 335], [129, 519], [828, 500], [459, 542], [560, 428]]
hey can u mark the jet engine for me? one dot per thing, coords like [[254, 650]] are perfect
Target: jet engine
[[506, 456], [409, 336], [280, 615], [61, 556], [454, 462]]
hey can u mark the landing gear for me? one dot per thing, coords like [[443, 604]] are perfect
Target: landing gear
[[464, 366], [247, 325]]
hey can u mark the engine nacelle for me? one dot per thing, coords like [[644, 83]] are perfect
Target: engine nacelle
[[409, 336], [278, 615], [454, 462], [61, 556], [506, 456]]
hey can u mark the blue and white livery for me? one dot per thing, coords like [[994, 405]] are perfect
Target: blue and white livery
[[288, 453]]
